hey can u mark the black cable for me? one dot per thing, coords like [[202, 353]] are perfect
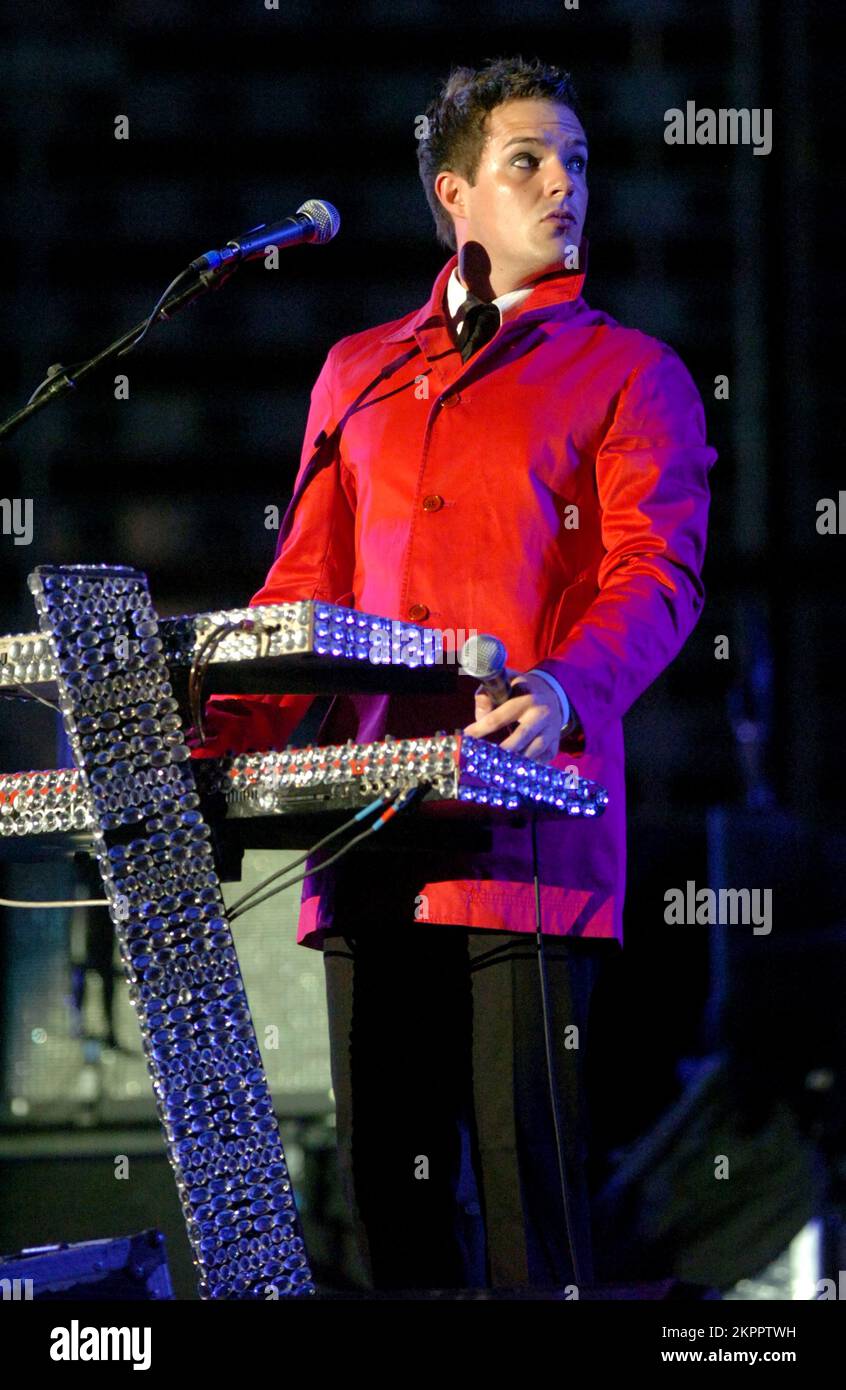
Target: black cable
[[403, 800], [289, 883], [550, 1066], [197, 674], [136, 342], [316, 869], [59, 370], [271, 878], [203, 656], [52, 373]]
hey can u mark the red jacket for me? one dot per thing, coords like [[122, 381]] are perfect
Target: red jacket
[[554, 492]]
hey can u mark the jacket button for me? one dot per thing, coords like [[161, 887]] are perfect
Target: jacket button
[[451, 400], [433, 502], [417, 612]]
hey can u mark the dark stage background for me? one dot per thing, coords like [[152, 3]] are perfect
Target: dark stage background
[[237, 115]]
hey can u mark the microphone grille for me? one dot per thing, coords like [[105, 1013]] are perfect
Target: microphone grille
[[325, 217], [482, 656]]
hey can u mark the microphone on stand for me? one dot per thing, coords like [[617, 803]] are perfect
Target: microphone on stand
[[316, 221]]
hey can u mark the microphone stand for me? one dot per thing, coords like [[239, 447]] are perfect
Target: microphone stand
[[64, 379]]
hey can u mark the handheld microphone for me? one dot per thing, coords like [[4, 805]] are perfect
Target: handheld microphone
[[483, 658], [316, 221]]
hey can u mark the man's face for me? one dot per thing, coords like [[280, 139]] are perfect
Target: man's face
[[534, 162]]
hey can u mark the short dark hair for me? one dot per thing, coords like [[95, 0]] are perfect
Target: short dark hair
[[457, 118]]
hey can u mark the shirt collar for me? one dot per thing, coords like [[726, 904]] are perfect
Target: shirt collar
[[546, 296], [456, 295]]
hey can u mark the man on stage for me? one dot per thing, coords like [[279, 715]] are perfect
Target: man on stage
[[509, 460]]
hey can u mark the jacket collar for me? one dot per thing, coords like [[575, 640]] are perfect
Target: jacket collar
[[558, 287]]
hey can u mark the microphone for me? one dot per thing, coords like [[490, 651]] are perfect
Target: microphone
[[483, 658], [316, 221]]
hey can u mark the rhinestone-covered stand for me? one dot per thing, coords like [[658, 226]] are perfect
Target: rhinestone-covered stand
[[185, 984]]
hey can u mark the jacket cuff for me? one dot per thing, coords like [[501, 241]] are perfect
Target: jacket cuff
[[579, 736], [550, 680]]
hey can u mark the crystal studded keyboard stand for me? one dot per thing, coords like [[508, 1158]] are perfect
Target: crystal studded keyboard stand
[[134, 786]]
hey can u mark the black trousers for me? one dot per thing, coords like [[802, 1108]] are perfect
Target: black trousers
[[446, 1143]]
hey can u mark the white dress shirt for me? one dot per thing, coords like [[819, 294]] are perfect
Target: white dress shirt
[[456, 293]]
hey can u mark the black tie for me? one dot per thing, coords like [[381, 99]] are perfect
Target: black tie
[[481, 320]]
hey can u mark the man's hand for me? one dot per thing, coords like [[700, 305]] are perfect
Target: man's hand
[[537, 713]]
